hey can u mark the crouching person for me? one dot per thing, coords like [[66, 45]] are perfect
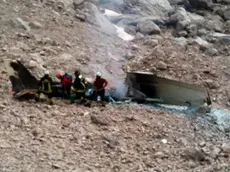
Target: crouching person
[[66, 82], [45, 87]]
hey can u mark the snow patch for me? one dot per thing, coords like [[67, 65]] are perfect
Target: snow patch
[[120, 31], [123, 35], [111, 13]]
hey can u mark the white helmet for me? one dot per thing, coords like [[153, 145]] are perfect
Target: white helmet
[[62, 73], [47, 72], [98, 74]]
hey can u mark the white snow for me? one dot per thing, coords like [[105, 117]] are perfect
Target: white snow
[[111, 13], [123, 35], [120, 31]]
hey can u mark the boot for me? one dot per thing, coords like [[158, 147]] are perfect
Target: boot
[[87, 103], [37, 97], [50, 101]]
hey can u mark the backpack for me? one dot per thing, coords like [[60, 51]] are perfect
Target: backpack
[[68, 76]]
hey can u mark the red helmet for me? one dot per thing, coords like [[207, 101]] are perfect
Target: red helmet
[[60, 74]]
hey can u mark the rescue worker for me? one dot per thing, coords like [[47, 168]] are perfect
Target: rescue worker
[[78, 88], [66, 82], [78, 75], [99, 87], [45, 87]]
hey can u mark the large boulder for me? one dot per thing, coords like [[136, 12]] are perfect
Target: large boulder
[[213, 25], [147, 7], [192, 30], [181, 15], [220, 38], [227, 26], [227, 14], [148, 28], [201, 4], [202, 43]]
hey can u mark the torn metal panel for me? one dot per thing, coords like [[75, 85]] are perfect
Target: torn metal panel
[[19, 76], [169, 91]]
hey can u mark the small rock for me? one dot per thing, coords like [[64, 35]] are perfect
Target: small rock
[[181, 25], [139, 36], [226, 148], [213, 25], [202, 43], [216, 151], [35, 25], [131, 30], [192, 30], [4, 144], [159, 155], [184, 141], [112, 142], [157, 170], [135, 47], [18, 22], [151, 42], [81, 17], [202, 144], [192, 164], [201, 32], [193, 154], [97, 119], [227, 14], [212, 51], [2, 106], [206, 150], [78, 4], [32, 64], [212, 84], [182, 33], [164, 141], [148, 27], [25, 121], [86, 113], [37, 132], [181, 41], [162, 66]]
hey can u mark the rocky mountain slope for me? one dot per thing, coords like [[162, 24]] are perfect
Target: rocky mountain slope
[[178, 39], [186, 40]]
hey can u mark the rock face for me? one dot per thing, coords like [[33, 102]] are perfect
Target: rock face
[[87, 11], [96, 18], [148, 28]]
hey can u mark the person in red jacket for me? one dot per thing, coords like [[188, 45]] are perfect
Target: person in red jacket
[[66, 82], [99, 86]]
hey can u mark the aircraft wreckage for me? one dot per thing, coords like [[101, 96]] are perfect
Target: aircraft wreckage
[[138, 87]]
